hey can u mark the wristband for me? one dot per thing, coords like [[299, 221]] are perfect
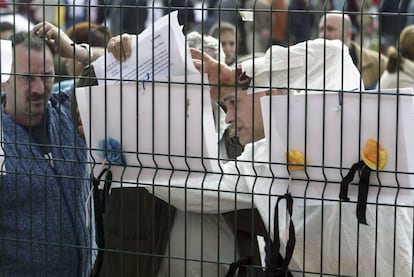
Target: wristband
[[90, 54]]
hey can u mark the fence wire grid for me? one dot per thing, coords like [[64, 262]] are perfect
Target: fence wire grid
[[207, 138]]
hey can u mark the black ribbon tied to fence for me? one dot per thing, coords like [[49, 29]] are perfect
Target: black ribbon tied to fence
[[363, 188], [277, 265]]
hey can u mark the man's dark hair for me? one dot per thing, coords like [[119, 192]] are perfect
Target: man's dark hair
[[29, 40]]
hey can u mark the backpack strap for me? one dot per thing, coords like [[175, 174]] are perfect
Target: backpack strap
[[99, 208]]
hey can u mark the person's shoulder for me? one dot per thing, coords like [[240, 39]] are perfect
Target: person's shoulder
[[371, 52], [328, 42], [406, 75], [396, 79], [62, 86], [256, 151], [321, 43], [408, 66], [368, 52], [62, 94], [320, 46]]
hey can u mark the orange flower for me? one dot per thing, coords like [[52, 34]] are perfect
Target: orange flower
[[370, 157], [296, 160]]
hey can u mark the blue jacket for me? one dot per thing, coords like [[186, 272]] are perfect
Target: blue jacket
[[43, 227]]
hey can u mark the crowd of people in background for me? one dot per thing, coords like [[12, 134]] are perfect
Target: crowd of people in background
[[291, 22], [374, 27]]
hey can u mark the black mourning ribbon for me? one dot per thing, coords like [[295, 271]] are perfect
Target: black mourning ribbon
[[363, 188], [277, 265], [99, 203], [241, 265]]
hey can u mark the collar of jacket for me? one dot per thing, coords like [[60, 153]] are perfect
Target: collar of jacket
[[356, 53], [408, 67]]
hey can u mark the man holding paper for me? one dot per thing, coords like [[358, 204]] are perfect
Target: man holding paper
[[309, 67], [210, 237]]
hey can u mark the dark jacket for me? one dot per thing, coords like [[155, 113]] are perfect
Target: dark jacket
[[43, 227]]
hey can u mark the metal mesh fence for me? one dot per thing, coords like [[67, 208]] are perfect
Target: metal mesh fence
[[207, 138]]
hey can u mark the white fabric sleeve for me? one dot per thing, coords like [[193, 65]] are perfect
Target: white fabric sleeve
[[228, 190], [199, 192]]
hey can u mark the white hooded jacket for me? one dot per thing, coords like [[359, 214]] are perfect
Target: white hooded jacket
[[329, 239]]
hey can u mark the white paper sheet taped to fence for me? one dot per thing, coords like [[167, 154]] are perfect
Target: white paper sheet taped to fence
[[331, 139], [156, 125]]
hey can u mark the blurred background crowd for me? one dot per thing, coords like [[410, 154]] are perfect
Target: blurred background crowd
[[369, 17], [244, 28]]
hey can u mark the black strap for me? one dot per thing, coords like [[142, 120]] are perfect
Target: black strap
[[343, 194], [107, 187], [363, 188], [99, 207], [363, 194], [277, 265], [239, 264]]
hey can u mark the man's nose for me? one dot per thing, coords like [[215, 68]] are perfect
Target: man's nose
[[37, 85], [229, 116]]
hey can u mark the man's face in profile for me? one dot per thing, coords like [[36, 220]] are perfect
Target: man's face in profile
[[244, 112]]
